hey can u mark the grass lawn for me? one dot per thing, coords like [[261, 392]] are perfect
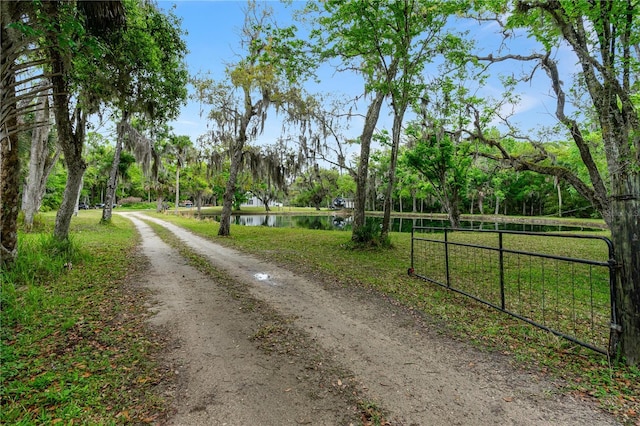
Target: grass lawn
[[75, 348]]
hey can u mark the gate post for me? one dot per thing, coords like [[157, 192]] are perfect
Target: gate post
[[446, 256], [501, 260], [615, 328]]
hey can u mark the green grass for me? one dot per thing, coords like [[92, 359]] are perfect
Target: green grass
[[325, 255], [74, 348]]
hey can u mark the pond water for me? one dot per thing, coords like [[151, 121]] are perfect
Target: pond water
[[335, 222]]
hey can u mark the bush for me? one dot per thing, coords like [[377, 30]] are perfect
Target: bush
[[368, 236]]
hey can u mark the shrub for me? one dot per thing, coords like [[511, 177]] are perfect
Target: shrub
[[368, 236]]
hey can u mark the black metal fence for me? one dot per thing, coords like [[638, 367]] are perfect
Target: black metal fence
[[565, 288]]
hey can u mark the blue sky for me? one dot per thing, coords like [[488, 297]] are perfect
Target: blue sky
[[213, 39], [212, 32]]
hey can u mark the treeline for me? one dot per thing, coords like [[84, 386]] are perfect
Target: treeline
[[487, 188]]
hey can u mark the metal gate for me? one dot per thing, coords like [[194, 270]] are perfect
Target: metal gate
[[569, 296]]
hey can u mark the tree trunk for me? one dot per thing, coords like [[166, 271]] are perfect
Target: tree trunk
[[230, 189], [76, 204], [9, 156], [395, 136], [9, 183], [497, 209], [40, 163], [265, 199], [452, 206], [559, 200], [159, 204], [177, 186], [75, 171], [373, 112], [625, 235], [112, 183], [71, 141], [199, 204], [9, 195]]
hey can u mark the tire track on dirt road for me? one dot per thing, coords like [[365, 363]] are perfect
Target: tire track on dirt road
[[421, 377], [222, 378]]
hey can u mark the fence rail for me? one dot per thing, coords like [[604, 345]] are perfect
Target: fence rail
[[569, 296]]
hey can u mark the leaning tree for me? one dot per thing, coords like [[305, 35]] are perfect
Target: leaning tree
[[77, 39], [603, 37]]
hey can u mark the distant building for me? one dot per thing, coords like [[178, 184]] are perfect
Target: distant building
[[253, 201]]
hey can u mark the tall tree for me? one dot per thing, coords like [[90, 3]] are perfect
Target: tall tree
[[414, 33], [148, 78], [74, 55], [388, 43], [267, 75], [350, 30], [43, 156], [603, 37]]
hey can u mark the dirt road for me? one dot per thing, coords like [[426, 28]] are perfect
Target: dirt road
[[259, 345]]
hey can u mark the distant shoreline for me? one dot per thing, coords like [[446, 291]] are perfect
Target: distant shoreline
[[532, 220]]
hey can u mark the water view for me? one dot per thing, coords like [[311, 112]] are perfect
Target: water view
[[336, 222]]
